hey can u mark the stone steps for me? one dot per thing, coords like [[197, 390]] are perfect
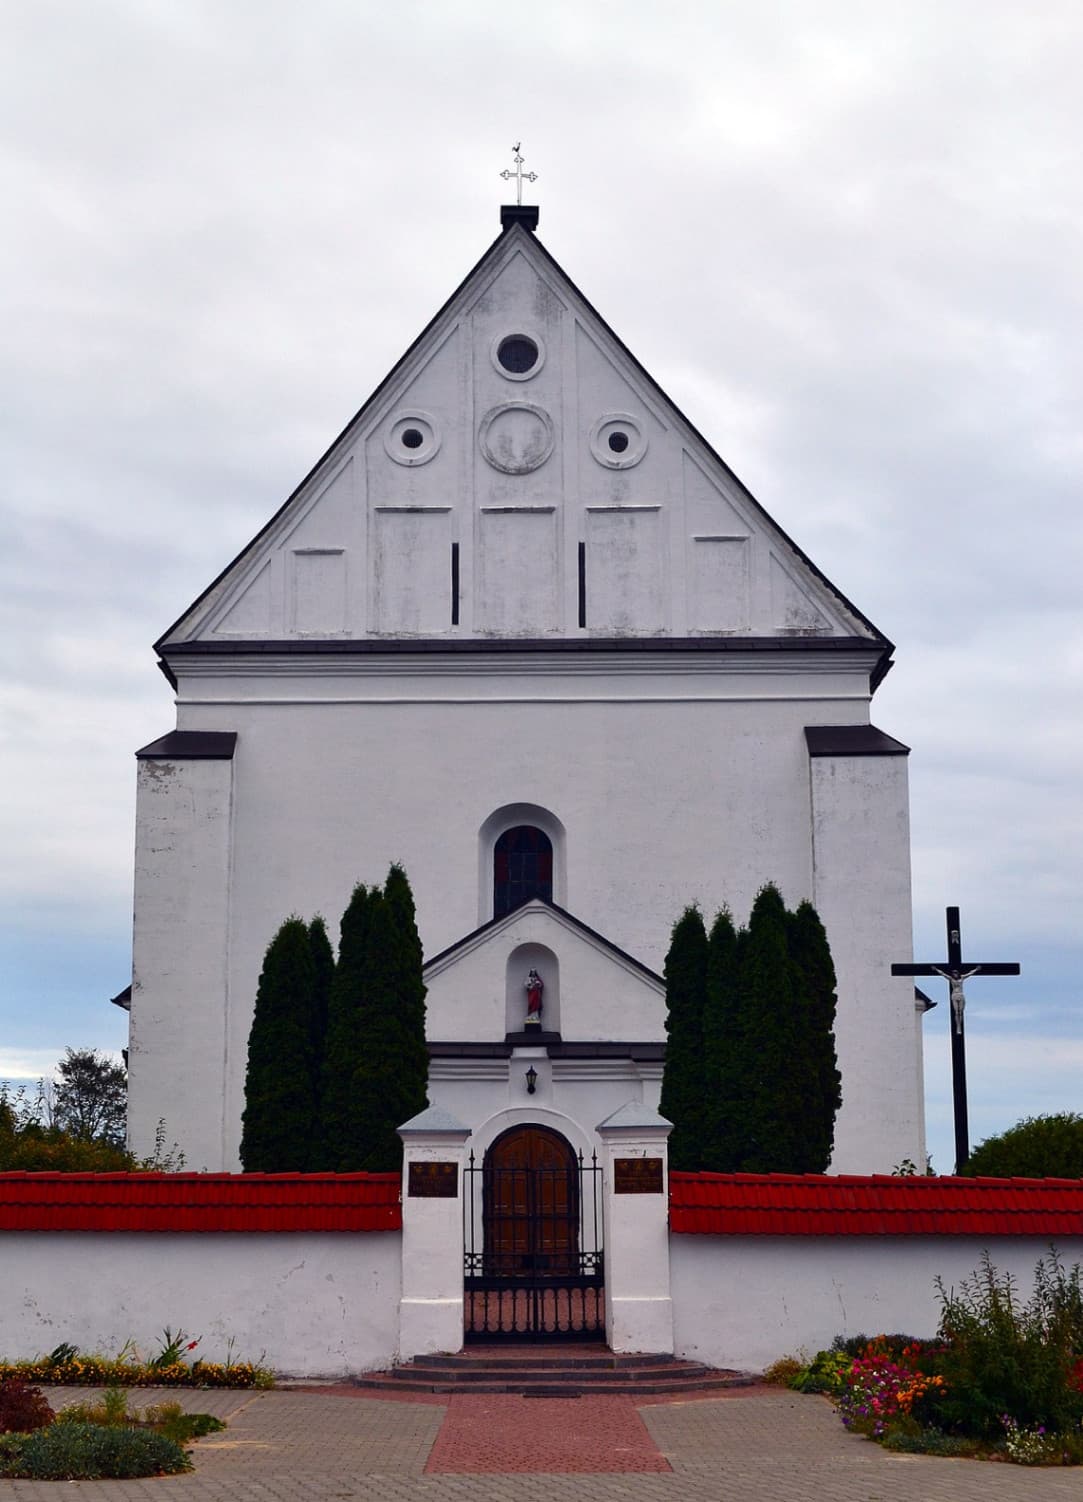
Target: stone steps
[[548, 1372]]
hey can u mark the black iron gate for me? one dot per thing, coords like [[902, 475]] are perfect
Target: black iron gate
[[534, 1265]]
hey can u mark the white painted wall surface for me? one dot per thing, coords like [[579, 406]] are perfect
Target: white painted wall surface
[[861, 889], [178, 1034], [745, 1301], [307, 1304], [671, 788]]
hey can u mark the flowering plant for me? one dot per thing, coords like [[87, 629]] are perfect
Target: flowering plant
[[1029, 1446], [880, 1391]]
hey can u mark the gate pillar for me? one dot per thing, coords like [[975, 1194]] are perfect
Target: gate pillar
[[431, 1306], [638, 1307]]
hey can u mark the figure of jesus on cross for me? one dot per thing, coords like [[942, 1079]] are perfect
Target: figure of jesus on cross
[[955, 972]]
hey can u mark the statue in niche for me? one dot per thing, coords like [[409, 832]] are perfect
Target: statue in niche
[[534, 986]]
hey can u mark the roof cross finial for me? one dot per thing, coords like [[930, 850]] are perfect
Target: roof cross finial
[[519, 175]]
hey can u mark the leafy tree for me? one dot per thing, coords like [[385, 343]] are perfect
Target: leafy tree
[[339, 1142], [815, 1078], [684, 1084], [33, 1145], [723, 1050], [90, 1101], [280, 1114], [1038, 1147]]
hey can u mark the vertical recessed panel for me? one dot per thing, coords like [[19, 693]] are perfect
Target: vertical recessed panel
[[518, 574], [409, 582], [720, 584], [319, 591], [624, 569]]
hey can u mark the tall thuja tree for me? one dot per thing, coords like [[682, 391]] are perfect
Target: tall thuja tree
[[323, 962], [772, 1116], [816, 1077], [414, 1057], [280, 1091], [391, 1078], [684, 1078], [724, 1072], [340, 1135]]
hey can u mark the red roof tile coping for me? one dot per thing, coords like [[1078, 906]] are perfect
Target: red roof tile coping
[[743, 1204], [200, 1202]]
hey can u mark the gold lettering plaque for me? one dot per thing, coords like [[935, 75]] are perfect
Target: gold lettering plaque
[[637, 1175], [432, 1181]]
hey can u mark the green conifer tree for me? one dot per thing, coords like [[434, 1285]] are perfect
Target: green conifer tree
[[683, 1078], [323, 960], [280, 1097], [414, 1058], [723, 1051], [771, 1116], [817, 1082], [340, 1136]]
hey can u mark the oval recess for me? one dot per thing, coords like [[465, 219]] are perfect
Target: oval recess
[[516, 437], [412, 438], [617, 440]]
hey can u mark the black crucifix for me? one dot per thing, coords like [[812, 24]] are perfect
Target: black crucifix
[[955, 973]]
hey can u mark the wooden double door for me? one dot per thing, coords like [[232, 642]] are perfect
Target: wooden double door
[[537, 1272]]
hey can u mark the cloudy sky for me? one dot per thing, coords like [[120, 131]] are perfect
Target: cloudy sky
[[846, 238]]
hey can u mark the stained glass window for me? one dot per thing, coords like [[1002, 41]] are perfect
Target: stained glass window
[[522, 868]]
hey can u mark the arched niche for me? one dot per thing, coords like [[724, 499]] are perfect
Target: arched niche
[[512, 816], [522, 959]]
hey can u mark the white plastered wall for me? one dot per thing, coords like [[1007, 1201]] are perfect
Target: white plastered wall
[[861, 889], [744, 1301], [304, 1303], [178, 1028]]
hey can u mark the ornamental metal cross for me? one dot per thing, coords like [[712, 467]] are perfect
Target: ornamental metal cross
[[955, 972], [519, 175]]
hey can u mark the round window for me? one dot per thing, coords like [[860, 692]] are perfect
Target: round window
[[617, 440], [517, 354], [411, 438]]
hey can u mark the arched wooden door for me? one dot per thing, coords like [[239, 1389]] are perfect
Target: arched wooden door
[[531, 1205], [535, 1270]]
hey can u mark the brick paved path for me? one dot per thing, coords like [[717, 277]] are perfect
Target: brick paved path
[[753, 1446]]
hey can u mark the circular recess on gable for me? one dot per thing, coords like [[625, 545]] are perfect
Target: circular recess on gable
[[617, 440], [412, 438], [516, 437], [518, 356]]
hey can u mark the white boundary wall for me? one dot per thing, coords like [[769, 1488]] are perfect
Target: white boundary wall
[[305, 1303], [744, 1301]]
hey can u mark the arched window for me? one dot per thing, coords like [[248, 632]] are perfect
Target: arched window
[[522, 868]]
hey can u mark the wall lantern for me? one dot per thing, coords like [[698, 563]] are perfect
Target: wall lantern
[[531, 1080]]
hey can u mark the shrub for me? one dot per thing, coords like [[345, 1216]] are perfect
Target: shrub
[[1037, 1147], [83, 1452], [1002, 1357], [23, 1408], [781, 1373]]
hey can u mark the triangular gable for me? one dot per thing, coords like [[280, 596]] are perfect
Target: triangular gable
[[568, 501], [594, 991]]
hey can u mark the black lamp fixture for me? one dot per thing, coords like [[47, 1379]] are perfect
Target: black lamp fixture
[[531, 1080]]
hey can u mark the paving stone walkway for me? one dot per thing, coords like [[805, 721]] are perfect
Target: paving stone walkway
[[755, 1445]]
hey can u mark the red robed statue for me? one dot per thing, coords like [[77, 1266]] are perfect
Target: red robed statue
[[534, 988]]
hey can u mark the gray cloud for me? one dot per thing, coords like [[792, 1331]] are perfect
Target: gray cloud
[[845, 238]]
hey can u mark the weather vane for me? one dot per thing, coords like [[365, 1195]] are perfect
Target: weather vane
[[519, 175]]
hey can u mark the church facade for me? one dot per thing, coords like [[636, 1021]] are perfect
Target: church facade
[[524, 632]]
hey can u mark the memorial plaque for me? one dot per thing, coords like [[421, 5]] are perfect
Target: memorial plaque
[[637, 1175], [432, 1181]]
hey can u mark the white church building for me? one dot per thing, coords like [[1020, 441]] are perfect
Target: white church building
[[522, 630]]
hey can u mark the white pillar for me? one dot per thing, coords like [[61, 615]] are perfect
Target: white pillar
[[431, 1307], [638, 1307]]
